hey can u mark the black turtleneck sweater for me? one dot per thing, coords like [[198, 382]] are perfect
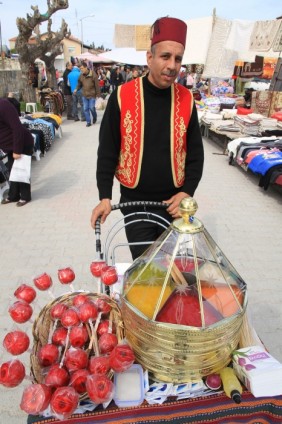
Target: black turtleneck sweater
[[156, 181]]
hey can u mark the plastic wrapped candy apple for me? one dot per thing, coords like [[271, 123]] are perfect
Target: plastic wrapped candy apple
[[43, 282], [56, 313], [121, 358], [102, 305], [57, 310], [59, 336], [107, 342], [79, 299], [66, 275], [106, 326], [78, 336], [16, 342], [76, 359], [87, 311], [70, 318], [109, 275], [100, 388], [57, 376], [64, 402], [12, 373], [48, 355], [20, 311], [95, 268], [35, 398], [99, 365], [26, 293], [78, 380]]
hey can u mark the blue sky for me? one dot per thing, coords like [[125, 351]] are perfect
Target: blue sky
[[100, 28]]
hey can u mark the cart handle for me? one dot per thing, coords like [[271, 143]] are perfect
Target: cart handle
[[145, 203]]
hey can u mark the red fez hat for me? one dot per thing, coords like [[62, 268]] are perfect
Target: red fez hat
[[171, 29]]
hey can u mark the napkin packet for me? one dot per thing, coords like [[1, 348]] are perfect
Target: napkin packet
[[258, 370]]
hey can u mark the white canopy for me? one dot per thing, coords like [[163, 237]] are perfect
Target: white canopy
[[94, 58], [127, 55]]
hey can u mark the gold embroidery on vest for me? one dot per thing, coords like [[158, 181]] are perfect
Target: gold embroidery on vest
[[125, 158], [180, 151]]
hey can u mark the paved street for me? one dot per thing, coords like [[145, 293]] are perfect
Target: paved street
[[53, 231]]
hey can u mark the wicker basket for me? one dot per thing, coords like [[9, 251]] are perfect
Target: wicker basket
[[44, 324]]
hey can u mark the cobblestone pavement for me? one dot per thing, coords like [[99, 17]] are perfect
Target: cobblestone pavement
[[53, 231]]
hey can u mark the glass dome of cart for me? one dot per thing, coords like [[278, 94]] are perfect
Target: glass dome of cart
[[183, 303]]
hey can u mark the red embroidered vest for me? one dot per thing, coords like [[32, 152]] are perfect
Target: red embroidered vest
[[131, 103]]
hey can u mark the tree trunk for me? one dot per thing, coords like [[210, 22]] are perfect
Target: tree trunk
[[29, 93], [51, 76]]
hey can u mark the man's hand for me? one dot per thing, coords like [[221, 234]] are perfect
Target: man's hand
[[174, 202], [103, 209], [16, 156]]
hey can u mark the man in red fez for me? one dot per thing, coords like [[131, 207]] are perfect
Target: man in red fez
[[150, 138]]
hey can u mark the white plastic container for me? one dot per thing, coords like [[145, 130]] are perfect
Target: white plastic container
[[129, 387]]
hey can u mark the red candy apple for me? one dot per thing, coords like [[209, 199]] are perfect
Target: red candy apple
[[43, 282], [26, 293], [59, 336], [76, 359], [35, 398], [78, 380], [95, 268], [66, 275], [79, 299], [102, 305], [48, 355], [12, 373], [87, 311], [104, 327], [109, 275], [57, 376], [70, 318], [99, 388], [64, 402], [99, 365], [107, 342], [57, 310], [16, 342], [20, 311], [78, 336], [121, 358]]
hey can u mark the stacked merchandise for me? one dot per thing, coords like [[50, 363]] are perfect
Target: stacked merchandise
[[247, 125]]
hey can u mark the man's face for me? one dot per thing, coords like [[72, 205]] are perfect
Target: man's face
[[164, 63], [84, 70]]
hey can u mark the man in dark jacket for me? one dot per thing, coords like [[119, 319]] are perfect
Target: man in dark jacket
[[89, 83], [15, 140], [67, 90]]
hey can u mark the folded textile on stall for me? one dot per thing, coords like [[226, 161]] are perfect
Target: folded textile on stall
[[229, 128], [248, 125]]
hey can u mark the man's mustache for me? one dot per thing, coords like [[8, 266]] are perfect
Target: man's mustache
[[169, 73]]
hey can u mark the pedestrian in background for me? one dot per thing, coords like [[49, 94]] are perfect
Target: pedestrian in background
[[76, 96], [67, 90], [15, 140], [88, 82]]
